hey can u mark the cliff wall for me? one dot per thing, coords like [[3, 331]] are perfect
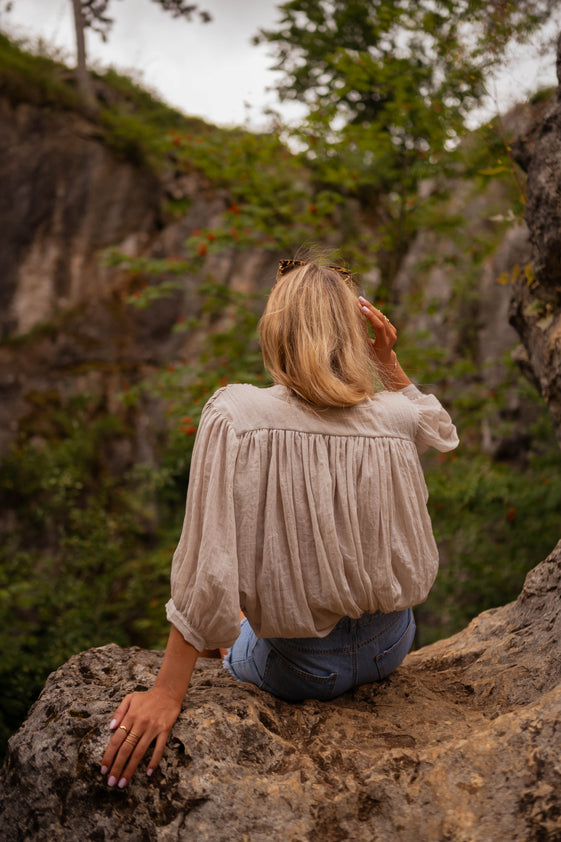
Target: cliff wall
[[64, 319], [64, 199], [536, 305]]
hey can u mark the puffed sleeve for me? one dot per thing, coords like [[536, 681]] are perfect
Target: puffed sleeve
[[435, 427], [204, 604]]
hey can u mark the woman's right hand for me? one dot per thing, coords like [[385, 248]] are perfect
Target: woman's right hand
[[140, 719], [384, 332]]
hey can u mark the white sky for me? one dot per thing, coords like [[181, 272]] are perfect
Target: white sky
[[212, 70]]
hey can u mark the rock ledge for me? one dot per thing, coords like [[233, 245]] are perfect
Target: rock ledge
[[461, 743]]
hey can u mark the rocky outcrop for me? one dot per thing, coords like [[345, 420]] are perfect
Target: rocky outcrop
[[461, 743], [536, 302]]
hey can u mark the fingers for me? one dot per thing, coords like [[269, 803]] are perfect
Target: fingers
[[142, 718], [130, 754], [123, 755], [157, 754], [385, 332], [125, 751], [120, 713], [120, 732], [117, 746]]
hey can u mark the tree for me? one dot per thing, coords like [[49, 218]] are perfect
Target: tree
[[92, 14], [388, 85]]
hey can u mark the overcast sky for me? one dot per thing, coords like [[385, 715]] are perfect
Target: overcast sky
[[212, 70]]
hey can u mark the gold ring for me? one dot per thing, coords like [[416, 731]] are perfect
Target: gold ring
[[132, 734], [386, 318], [126, 730], [132, 742]]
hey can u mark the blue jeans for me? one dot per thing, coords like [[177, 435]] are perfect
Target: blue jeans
[[355, 652]]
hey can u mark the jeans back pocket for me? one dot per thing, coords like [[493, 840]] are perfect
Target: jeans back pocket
[[286, 680]]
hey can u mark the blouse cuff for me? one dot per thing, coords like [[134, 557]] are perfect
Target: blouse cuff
[[177, 619]]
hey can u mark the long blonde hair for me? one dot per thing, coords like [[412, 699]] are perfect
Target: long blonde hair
[[313, 339]]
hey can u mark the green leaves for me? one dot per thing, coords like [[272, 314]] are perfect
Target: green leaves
[[493, 524], [388, 86]]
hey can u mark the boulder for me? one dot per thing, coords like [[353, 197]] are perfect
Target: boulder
[[535, 309], [461, 743]]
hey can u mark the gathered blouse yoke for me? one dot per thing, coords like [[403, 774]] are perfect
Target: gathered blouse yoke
[[301, 516]]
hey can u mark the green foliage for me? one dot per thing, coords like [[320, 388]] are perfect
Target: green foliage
[[388, 87], [34, 78], [79, 553], [135, 122], [86, 551], [493, 523], [494, 517], [272, 201], [368, 62], [228, 352]]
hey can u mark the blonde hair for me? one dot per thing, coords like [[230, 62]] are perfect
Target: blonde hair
[[313, 339]]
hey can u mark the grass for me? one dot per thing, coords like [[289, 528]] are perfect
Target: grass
[[132, 120], [37, 79]]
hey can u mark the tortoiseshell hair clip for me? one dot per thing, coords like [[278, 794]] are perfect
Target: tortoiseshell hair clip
[[288, 265]]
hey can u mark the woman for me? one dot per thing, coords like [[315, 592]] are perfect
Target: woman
[[306, 510]]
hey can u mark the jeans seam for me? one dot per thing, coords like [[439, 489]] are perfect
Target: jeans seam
[[378, 659], [382, 632]]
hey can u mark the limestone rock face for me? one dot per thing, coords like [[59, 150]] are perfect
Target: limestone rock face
[[66, 197], [536, 305], [56, 212], [461, 743]]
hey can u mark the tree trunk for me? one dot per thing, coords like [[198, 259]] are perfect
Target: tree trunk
[[83, 78]]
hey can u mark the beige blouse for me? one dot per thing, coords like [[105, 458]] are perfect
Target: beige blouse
[[301, 517]]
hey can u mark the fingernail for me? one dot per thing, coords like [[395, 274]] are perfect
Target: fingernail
[[149, 772], [122, 783], [365, 310], [112, 724], [112, 781], [360, 298], [104, 770]]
